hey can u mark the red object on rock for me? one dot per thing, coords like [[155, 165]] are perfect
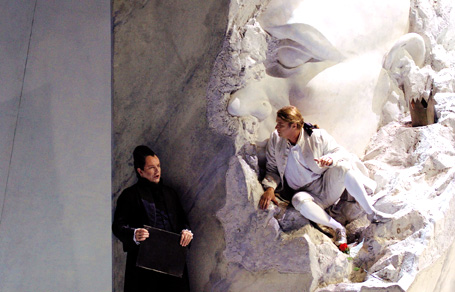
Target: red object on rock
[[343, 247]]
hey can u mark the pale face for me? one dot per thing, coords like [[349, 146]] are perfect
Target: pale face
[[152, 169], [286, 130]]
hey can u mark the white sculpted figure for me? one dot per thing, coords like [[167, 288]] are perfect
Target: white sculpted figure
[[329, 63]]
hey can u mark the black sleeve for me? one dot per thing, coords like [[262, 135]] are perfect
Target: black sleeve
[[177, 214], [121, 227]]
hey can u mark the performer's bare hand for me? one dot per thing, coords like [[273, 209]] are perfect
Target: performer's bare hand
[[186, 238], [141, 234], [324, 161], [267, 197]]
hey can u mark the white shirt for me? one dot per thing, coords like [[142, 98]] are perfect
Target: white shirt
[[297, 172]]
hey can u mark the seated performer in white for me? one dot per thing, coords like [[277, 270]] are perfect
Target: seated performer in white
[[316, 169]]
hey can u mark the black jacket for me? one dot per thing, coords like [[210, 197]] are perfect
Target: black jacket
[[130, 214]]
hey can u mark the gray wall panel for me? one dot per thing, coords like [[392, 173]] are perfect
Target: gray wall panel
[[15, 26], [55, 227]]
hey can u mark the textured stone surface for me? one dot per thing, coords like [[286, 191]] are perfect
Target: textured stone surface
[[175, 69], [163, 55], [413, 168], [414, 171], [312, 63]]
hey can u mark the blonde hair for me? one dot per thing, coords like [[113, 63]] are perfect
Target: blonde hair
[[292, 115]]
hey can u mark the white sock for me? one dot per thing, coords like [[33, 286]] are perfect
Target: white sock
[[335, 224], [357, 190], [313, 212]]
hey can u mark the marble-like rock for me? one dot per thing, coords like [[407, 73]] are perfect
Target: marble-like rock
[[414, 170], [238, 247], [412, 166], [314, 65], [256, 240]]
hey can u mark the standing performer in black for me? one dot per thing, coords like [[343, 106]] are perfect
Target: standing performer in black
[[148, 202]]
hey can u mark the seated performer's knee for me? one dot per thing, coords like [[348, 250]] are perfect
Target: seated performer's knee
[[340, 170], [300, 198], [343, 166]]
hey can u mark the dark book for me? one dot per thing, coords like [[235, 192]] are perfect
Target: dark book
[[162, 252]]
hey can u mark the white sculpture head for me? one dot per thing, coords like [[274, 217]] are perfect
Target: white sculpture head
[[329, 63]]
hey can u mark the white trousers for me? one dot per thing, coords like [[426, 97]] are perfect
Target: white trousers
[[312, 199]]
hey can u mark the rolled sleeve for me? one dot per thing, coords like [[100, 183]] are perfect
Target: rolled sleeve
[[272, 177]]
